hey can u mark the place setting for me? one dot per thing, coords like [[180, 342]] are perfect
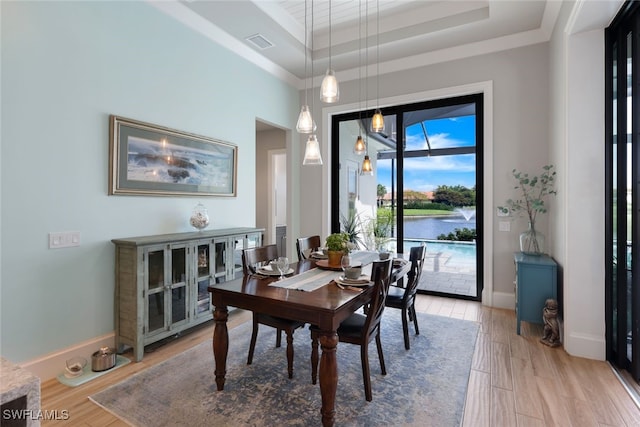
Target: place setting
[[278, 267], [352, 278]]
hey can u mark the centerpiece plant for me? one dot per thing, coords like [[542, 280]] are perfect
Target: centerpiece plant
[[337, 245], [533, 192]]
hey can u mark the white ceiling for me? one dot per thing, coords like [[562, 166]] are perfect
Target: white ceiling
[[411, 33]]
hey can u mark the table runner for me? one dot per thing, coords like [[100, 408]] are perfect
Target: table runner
[[308, 281], [365, 257]]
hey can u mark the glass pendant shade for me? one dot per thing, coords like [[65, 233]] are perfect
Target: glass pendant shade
[[359, 148], [312, 154], [367, 168], [329, 91], [377, 121], [305, 121]]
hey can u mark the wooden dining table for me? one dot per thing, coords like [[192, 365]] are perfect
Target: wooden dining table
[[325, 307]]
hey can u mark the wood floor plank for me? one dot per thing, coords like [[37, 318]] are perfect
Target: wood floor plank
[[527, 398], [500, 366], [518, 346], [580, 413], [482, 354], [502, 407], [526, 421], [569, 384], [555, 413], [587, 372], [477, 408]]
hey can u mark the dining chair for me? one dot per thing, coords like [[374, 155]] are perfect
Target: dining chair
[[306, 245], [250, 259], [360, 329], [404, 298]]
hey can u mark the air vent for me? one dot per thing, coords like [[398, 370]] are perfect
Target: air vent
[[260, 41]]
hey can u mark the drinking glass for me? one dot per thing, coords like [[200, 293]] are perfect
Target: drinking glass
[[345, 263], [282, 264]]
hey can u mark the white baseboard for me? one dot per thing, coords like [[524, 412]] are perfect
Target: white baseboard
[[504, 300], [585, 345], [50, 365]]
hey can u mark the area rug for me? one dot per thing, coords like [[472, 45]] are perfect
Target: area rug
[[424, 386]]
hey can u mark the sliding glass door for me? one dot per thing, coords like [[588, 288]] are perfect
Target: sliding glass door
[[425, 188], [623, 191]]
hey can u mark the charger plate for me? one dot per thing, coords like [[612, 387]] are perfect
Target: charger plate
[[364, 281], [324, 264]]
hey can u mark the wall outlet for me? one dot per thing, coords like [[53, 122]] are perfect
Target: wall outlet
[[502, 211]]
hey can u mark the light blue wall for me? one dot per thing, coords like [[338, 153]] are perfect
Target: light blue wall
[[65, 67]]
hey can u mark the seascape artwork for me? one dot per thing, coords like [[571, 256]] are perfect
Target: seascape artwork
[[164, 162]]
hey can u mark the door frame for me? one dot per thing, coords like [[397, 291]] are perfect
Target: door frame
[[488, 297]]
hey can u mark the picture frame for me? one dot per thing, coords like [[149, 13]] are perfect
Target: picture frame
[[152, 160]]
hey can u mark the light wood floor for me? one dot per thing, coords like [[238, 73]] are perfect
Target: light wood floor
[[514, 381]]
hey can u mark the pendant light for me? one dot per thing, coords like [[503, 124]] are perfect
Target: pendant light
[[312, 154], [359, 147], [329, 90], [367, 167], [305, 119], [377, 121]]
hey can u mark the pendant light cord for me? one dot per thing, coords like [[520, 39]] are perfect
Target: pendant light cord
[[306, 101]]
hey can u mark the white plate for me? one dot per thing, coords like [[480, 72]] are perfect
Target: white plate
[[364, 281], [271, 272]]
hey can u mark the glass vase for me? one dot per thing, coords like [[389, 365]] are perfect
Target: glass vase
[[199, 217], [532, 241]]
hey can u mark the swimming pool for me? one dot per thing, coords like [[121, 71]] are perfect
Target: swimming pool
[[460, 254]]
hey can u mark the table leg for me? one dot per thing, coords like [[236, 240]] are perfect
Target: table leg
[[328, 376], [220, 344]]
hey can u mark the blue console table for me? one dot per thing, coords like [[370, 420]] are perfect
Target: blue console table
[[536, 281]]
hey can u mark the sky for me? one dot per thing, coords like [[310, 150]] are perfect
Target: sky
[[427, 173]]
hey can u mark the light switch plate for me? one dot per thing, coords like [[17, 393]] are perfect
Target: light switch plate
[[64, 239], [504, 226]]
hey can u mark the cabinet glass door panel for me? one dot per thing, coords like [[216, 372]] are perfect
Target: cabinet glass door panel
[[204, 260], [155, 311], [178, 304], [238, 245], [155, 269], [203, 297], [253, 241], [178, 265], [220, 260]]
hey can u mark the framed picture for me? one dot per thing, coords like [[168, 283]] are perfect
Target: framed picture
[[147, 159]]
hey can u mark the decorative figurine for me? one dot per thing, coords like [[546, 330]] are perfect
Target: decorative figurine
[[551, 335]]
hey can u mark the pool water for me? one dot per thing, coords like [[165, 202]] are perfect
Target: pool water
[[461, 254]]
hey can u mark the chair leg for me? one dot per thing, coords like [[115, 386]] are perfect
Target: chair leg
[[405, 327], [278, 338], [254, 336], [415, 318], [314, 358], [366, 373], [383, 368]]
